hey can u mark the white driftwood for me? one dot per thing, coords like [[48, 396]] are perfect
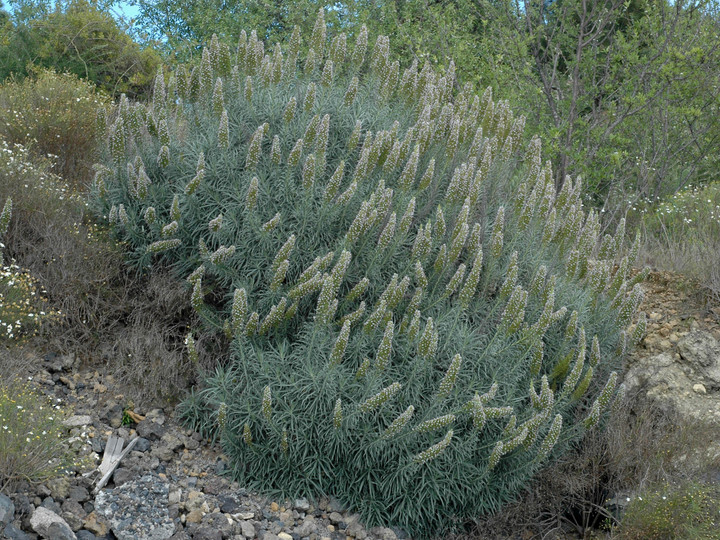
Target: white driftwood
[[111, 459]]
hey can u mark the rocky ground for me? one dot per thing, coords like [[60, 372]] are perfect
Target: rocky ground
[[171, 485]]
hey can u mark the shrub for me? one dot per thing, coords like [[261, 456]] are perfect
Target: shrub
[[688, 510], [54, 116], [80, 38], [682, 234], [32, 438], [417, 318], [50, 238]]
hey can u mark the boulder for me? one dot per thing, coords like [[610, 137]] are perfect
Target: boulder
[[49, 525]]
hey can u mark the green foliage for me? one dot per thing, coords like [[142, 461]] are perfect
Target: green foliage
[[54, 115], [688, 510], [32, 438], [78, 37], [379, 353]]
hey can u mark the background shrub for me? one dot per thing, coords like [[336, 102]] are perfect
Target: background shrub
[[689, 510], [32, 438], [78, 37], [418, 321], [53, 115], [682, 234]]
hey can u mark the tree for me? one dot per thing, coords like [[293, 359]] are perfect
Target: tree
[[80, 37]]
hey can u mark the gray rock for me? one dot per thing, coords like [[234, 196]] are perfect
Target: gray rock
[[143, 445], [218, 522], [205, 532], [137, 510], [85, 535], [150, 430], [122, 476], [668, 384], [74, 507], [78, 421], [11, 532], [307, 527], [228, 505], [174, 495], [702, 352], [7, 510], [356, 530], [247, 529], [49, 525], [112, 414], [302, 505], [50, 504], [78, 494], [383, 533]]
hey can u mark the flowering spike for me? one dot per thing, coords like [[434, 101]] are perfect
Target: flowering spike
[[434, 451], [340, 345], [448, 382], [381, 397], [382, 358]]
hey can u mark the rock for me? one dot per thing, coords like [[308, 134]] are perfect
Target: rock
[[123, 475], [702, 352], [56, 363], [13, 533], [191, 444], [247, 529], [302, 505], [74, 514], [78, 421], [665, 382], [274, 507], [96, 524], [49, 525], [59, 488], [137, 510], [335, 517], [196, 501], [207, 533], [73, 520], [79, 494], [699, 388], [307, 527], [85, 535], [284, 536], [194, 516], [383, 533], [218, 522], [112, 414], [174, 495], [228, 505], [7, 510], [50, 504], [150, 430], [356, 530], [143, 445]]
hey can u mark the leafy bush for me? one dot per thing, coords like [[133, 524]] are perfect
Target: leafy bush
[[32, 438], [77, 37], [53, 115], [689, 510], [417, 318]]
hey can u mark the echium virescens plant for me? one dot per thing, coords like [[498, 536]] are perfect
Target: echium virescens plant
[[419, 322]]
